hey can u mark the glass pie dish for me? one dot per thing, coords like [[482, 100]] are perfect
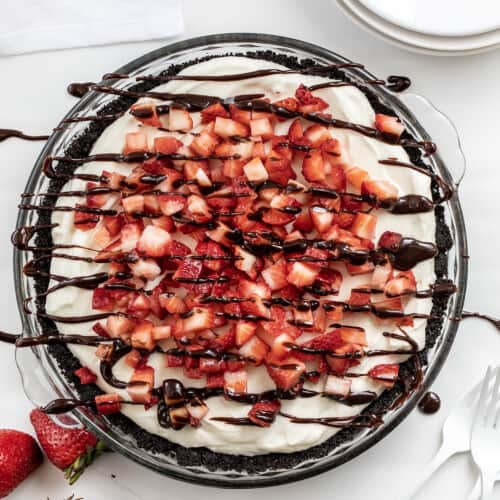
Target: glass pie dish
[[43, 380]]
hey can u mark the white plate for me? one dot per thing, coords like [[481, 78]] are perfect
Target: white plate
[[440, 17], [417, 42]]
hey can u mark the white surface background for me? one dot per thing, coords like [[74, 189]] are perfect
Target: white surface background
[[33, 98]]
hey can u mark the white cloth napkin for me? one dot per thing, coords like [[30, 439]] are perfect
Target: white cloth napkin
[[34, 25]]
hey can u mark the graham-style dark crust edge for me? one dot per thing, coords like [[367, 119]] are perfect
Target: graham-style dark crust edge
[[203, 457]]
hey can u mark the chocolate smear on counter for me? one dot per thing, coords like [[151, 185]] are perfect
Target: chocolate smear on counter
[[430, 403], [490, 319], [5, 133]]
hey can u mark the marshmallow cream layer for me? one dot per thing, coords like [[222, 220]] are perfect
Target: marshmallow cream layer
[[347, 103]]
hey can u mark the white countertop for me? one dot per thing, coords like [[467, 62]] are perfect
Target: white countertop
[[33, 98]]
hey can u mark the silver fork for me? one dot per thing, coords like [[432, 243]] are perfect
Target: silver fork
[[456, 435], [485, 437]]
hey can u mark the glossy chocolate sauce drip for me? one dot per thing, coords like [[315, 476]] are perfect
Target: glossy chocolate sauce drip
[[51, 339], [447, 190], [63, 405], [106, 368], [490, 319], [430, 403], [398, 83], [5, 133], [411, 252], [79, 89]]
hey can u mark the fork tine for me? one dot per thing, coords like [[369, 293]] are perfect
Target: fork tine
[[491, 410], [483, 398]]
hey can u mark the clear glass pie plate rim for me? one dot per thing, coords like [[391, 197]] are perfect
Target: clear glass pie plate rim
[[443, 131]]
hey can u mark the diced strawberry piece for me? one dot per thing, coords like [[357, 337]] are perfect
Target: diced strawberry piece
[[381, 190], [321, 218], [263, 413], [354, 336], [275, 217], [364, 225], [161, 332], [211, 112], [219, 234], [261, 127], [226, 128], [171, 204], [141, 384], [331, 146], [135, 142], [205, 143], [278, 167], [381, 275], [85, 375], [139, 305], [246, 262], [287, 373], [337, 386], [102, 300], [146, 113], [131, 233], [356, 176], [233, 168], [330, 279], [365, 268], [249, 288], [301, 274], [329, 341], [154, 242], [108, 403], [386, 374], [313, 167], [235, 382], [389, 125], [209, 365], [240, 115], [255, 171], [166, 144], [133, 358], [215, 380], [289, 103], [254, 349], [280, 347], [317, 135], [244, 331], [117, 326], [133, 204], [296, 131], [275, 275], [391, 307], [179, 119], [303, 222], [200, 319], [113, 224], [84, 220], [343, 220], [390, 241], [335, 178], [145, 268], [308, 103], [401, 284]]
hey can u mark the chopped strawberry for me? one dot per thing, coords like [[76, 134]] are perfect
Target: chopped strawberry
[[102, 299], [173, 304], [249, 288], [301, 274], [233, 168], [344, 220], [364, 225], [146, 113], [166, 144], [145, 268], [275, 275], [403, 283], [235, 382], [389, 125], [139, 306], [240, 115], [331, 147], [390, 241], [179, 119], [276, 217], [386, 374], [352, 335], [381, 190], [263, 413], [211, 112], [215, 380], [303, 222], [280, 347], [84, 220], [337, 386], [391, 307], [209, 365], [261, 128], [107, 404], [255, 171], [365, 268], [330, 280], [141, 384], [356, 176], [131, 233], [135, 142], [113, 224], [313, 167], [381, 275], [154, 242], [226, 128], [133, 204], [171, 204], [133, 358], [246, 262], [204, 143], [329, 341], [308, 103], [289, 103], [254, 349], [287, 373], [117, 326], [321, 218], [244, 331], [317, 135], [199, 319], [85, 375]]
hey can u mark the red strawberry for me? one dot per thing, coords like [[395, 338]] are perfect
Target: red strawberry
[[364, 225], [389, 125], [146, 113], [390, 241], [263, 413], [386, 374], [166, 144], [235, 382], [382, 190], [85, 375], [301, 274], [135, 142], [179, 119], [19, 457], [317, 135], [276, 217], [255, 349], [205, 143], [275, 275], [212, 112], [84, 220], [313, 167], [401, 284], [356, 176], [287, 373], [261, 127], [308, 103], [71, 450], [289, 103], [225, 128]]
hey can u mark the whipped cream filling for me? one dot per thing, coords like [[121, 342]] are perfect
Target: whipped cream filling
[[347, 103]]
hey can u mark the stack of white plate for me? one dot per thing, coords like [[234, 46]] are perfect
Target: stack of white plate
[[438, 27]]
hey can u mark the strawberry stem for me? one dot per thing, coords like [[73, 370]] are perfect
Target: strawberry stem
[[75, 470]]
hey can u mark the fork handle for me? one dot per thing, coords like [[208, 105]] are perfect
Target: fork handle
[[443, 454], [487, 485], [475, 494]]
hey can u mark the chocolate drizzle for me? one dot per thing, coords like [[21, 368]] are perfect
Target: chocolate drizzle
[[430, 403], [79, 89], [398, 83], [5, 133]]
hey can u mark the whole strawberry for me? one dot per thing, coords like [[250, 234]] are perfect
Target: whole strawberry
[[71, 450], [19, 457]]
